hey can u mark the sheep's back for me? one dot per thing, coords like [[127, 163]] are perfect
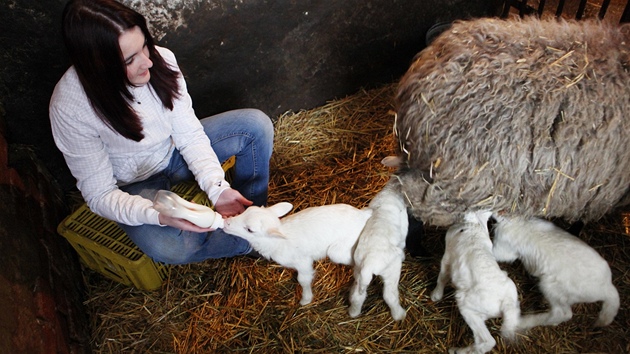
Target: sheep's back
[[526, 117]]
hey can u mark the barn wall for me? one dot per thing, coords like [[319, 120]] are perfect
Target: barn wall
[[273, 55]]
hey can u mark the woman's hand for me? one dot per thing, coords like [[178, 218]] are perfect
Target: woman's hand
[[231, 203], [181, 224]]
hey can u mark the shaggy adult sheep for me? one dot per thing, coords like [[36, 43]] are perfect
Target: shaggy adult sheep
[[527, 116]]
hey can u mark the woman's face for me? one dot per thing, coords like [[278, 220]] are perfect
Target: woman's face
[[136, 56]]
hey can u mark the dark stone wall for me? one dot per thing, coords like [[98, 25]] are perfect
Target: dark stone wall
[[273, 55], [290, 55]]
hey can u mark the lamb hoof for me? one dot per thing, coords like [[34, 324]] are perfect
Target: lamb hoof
[[436, 295], [399, 314], [354, 313], [466, 350], [602, 323]]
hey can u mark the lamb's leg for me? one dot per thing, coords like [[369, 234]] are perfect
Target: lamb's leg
[[511, 318], [503, 252], [560, 310], [533, 320], [484, 342], [358, 293], [559, 313], [390, 290], [305, 278], [610, 307], [438, 292]]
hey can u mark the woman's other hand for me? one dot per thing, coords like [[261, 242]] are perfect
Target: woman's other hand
[[231, 203]]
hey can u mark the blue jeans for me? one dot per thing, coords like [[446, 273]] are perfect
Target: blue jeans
[[245, 133]]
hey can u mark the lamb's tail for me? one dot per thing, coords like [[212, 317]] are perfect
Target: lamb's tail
[[610, 307]]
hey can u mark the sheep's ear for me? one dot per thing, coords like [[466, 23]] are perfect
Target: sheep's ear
[[275, 233], [391, 161], [281, 209], [499, 217]]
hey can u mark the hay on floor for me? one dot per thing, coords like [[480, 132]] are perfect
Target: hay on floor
[[329, 155]]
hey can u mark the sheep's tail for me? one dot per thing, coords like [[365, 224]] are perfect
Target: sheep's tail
[[610, 307]]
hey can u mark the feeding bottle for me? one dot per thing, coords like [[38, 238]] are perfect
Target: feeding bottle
[[171, 204]]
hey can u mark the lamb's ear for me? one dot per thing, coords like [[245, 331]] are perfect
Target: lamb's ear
[[484, 216], [275, 233], [281, 209]]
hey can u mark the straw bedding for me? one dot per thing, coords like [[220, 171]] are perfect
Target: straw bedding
[[329, 155]]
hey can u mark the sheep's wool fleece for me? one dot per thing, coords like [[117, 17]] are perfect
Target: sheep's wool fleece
[[528, 117]]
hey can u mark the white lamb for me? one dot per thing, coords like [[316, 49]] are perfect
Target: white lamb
[[482, 289], [569, 270], [296, 241], [380, 251]]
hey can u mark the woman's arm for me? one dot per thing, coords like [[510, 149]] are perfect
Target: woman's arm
[[191, 140], [78, 133]]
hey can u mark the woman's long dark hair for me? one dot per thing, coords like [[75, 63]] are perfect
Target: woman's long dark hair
[[90, 32]]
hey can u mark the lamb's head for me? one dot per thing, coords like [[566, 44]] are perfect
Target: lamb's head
[[256, 222], [479, 217], [469, 222]]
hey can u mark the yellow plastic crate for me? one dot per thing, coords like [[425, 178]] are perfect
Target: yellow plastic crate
[[104, 247]]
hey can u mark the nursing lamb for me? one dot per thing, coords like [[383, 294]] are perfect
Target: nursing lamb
[[569, 270], [482, 289], [380, 251], [297, 240]]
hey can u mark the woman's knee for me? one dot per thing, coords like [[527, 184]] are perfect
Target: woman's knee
[[247, 125], [261, 125], [170, 257], [170, 254], [165, 244]]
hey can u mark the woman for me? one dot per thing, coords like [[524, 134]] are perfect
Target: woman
[[123, 119]]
